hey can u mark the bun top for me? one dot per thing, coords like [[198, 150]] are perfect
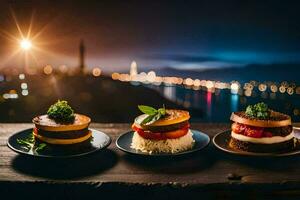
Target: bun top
[[276, 119], [45, 123], [172, 117]]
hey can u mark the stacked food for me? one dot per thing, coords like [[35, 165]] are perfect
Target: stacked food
[[162, 130], [61, 126], [260, 129]]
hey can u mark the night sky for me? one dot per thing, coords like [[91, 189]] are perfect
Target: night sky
[[183, 34]]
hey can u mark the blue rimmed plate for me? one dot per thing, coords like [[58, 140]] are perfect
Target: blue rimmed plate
[[97, 142], [221, 141]]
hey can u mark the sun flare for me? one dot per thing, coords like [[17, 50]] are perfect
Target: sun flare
[[25, 44]]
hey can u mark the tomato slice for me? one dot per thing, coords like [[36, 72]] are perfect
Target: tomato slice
[[250, 131], [267, 134], [254, 132], [238, 128], [162, 136], [176, 134]]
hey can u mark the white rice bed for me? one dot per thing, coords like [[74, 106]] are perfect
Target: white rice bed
[[183, 143]]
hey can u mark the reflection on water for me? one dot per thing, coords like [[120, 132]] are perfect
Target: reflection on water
[[208, 104], [234, 102], [217, 105], [169, 93]]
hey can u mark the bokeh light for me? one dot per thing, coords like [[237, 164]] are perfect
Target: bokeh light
[[25, 92], [274, 88], [48, 69], [63, 68], [282, 89], [96, 71], [262, 87], [24, 86], [21, 76]]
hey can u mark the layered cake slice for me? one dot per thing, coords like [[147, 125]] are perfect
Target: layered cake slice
[[259, 129], [61, 126]]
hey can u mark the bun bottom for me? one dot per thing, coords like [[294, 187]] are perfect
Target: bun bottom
[[262, 148]]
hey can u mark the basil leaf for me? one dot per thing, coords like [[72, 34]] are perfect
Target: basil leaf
[[155, 118], [147, 109], [153, 114], [147, 119], [162, 111], [151, 119]]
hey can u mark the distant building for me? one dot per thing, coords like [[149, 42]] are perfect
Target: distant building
[[81, 57], [133, 69]]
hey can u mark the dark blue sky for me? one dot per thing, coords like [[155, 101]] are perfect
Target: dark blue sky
[[183, 34]]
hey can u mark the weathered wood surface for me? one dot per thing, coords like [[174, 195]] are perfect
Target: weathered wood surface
[[112, 172]]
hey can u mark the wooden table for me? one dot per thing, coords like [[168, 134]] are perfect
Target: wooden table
[[112, 173]]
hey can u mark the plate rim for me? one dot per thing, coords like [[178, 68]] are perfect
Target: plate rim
[[47, 156], [162, 155], [250, 154]]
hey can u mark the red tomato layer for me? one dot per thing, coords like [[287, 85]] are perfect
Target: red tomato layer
[[250, 131], [162, 136]]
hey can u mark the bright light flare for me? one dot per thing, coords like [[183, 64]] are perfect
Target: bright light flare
[[235, 88], [26, 44]]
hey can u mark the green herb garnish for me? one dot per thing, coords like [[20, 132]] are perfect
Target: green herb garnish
[[61, 112], [259, 110], [29, 143], [153, 114], [40, 147]]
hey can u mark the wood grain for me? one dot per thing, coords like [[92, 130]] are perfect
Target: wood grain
[[112, 170]]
